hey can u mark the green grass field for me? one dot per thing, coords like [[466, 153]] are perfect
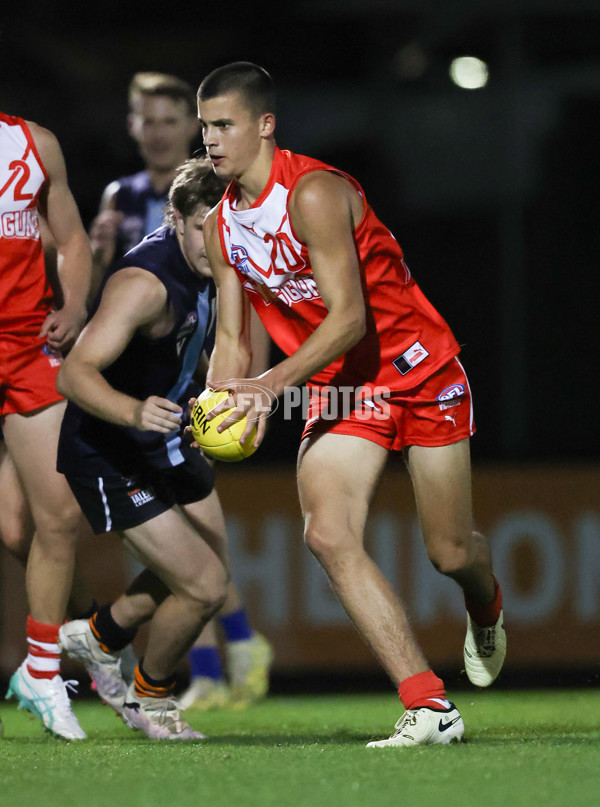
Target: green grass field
[[524, 748]]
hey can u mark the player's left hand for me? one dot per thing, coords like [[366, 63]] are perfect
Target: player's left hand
[[252, 398], [61, 328]]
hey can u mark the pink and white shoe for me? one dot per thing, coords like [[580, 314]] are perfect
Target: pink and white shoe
[[158, 718]]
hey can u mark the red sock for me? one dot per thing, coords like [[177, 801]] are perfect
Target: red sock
[[421, 689], [43, 659], [486, 615]]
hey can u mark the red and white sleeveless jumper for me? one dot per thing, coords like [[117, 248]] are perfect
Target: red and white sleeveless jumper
[[27, 367], [25, 296], [406, 339]]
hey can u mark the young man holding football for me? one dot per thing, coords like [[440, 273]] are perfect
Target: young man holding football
[[295, 239]]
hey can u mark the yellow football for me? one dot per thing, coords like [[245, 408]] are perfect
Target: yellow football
[[223, 445]]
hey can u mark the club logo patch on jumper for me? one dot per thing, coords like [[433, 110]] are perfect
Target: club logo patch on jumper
[[410, 358], [239, 256], [140, 497], [451, 396]]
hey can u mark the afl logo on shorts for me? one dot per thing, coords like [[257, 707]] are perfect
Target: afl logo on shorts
[[455, 391], [450, 396], [54, 357]]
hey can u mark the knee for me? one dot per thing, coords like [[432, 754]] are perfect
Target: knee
[[215, 592], [59, 527], [329, 544], [451, 554], [16, 536], [208, 591], [212, 598]]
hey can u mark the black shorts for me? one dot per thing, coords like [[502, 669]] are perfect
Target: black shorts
[[117, 502]]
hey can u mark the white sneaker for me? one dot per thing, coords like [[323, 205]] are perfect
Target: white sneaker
[[484, 651], [248, 663], [159, 718], [46, 698], [204, 693], [79, 643], [425, 726]]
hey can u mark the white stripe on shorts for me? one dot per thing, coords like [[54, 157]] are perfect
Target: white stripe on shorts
[[105, 503], [471, 419]]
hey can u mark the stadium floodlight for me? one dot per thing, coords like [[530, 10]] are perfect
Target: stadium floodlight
[[469, 72]]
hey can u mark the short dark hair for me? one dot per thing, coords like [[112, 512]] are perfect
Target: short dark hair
[[251, 81], [196, 185], [157, 84]]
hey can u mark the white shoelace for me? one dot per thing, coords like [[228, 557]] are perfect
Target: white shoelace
[[486, 641], [409, 718], [59, 690]]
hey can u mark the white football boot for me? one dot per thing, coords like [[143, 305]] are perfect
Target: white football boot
[[79, 643], [425, 726], [248, 665], [48, 699], [158, 718], [204, 693], [484, 651], [129, 662]]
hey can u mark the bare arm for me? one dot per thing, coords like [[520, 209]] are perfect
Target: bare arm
[[260, 342], [323, 209], [132, 299], [58, 208], [103, 235], [232, 353]]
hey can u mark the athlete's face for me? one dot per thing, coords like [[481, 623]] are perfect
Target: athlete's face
[[190, 234], [232, 134], [163, 129]]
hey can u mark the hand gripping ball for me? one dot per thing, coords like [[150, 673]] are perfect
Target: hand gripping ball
[[223, 445]]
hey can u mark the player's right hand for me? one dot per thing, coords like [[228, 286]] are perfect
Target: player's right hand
[[103, 235], [157, 415], [61, 328], [248, 398]]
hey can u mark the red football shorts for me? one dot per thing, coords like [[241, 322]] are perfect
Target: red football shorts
[[436, 413], [28, 371]]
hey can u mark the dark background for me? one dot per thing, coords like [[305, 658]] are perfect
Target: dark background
[[493, 193]]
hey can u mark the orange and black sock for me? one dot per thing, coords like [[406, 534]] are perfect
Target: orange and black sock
[[111, 636], [147, 687]]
